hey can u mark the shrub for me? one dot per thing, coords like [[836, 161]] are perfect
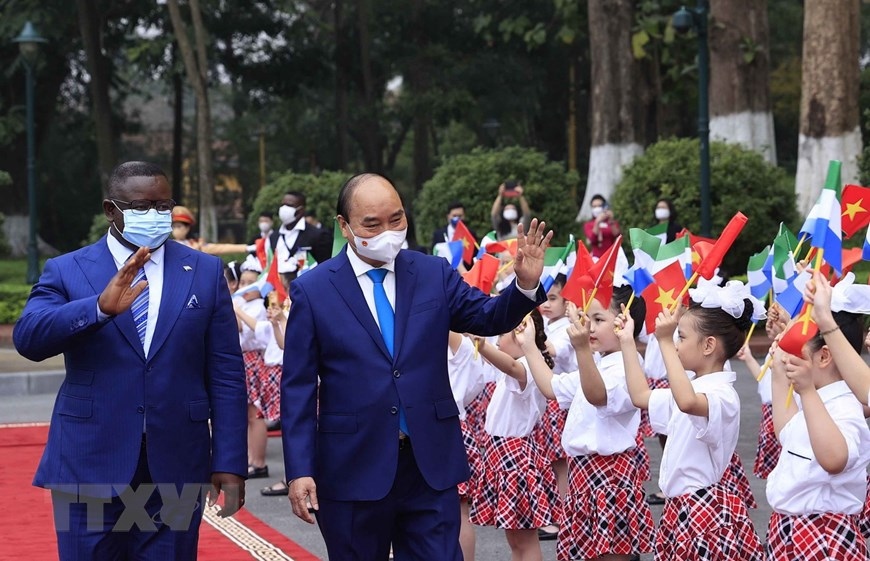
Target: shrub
[[12, 299], [321, 194], [740, 180], [474, 178]]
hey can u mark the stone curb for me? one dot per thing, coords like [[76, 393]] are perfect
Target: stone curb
[[14, 384]]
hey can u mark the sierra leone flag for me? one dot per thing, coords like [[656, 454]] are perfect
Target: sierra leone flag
[[554, 262], [824, 220], [759, 282]]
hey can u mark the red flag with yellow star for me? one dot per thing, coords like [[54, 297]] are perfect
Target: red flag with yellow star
[[483, 273], [463, 234], [798, 334], [855, 205], [663, 292], [589, 278]]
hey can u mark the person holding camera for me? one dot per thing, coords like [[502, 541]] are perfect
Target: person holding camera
[[505, 215], [602, 230]]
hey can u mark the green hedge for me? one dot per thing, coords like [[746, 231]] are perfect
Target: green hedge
[[474, 178], [740, 180], [12, 299]]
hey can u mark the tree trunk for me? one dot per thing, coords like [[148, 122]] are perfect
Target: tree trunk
[[177, 130], [830, 126], [341, 69], [740, 76], [98, 68], [197, 73], [419, 85], [617, 116], [369, 131]]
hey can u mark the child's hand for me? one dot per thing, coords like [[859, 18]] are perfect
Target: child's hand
[[525, 334], [578, 331], [818, 294], [776, 320], [624, 326], [744, 354], [799, 371], [666, 325]]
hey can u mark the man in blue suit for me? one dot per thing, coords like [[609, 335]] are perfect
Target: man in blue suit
[[151, 350], [375, 445]]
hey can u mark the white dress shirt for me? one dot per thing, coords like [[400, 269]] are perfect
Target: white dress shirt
[[653, 363], [514, 411], [273, 355], [798, 484], [248, 339], [590, 429], [360, 268], [765, 387], [286, 240], [466, 374], [698, 449], [565, 358], [153, 272]]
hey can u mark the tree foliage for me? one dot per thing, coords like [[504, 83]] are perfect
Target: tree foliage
[[474, 178], [321, 195], [740, 180]]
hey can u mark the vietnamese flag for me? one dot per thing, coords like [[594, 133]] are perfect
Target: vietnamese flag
[[603, 272], [588, 278], [463, 234], [270, 268], [662, 294], [855, 209], [482, 274], [693, 239], [713, 258], [798, 334]]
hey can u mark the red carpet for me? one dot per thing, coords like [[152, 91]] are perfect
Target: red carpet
[[28, 530]]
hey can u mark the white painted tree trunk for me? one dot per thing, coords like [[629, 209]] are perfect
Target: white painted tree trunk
[[751, 129], [16, 229], [812, 168], [606, 163]]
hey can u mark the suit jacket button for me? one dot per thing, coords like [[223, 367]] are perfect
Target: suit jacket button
[[140, 409], [394, 410], [396, 373]]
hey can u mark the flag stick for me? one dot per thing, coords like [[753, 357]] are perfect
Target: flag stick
[[504, 268], [589, 300], [764, 368], [800, 243], [806, 324], [679, 298], [476, 349], [630, 301], [749, 335]]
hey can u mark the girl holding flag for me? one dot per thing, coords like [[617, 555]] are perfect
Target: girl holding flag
[[703, 517], [818, 488], [605, 515]]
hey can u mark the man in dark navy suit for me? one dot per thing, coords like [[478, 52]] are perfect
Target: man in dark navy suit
[[370, 427]]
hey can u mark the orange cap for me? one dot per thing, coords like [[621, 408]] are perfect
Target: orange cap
[[182, 214]]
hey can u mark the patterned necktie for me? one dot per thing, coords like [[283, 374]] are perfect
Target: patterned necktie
[[140, 307], [386, 320]]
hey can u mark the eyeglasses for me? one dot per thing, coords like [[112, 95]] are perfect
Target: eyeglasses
[[142, 206]]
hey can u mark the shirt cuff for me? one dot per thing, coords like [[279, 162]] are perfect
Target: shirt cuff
[[102, 316], [530, 294]]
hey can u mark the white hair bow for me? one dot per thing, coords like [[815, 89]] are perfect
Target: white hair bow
[[846, 296], [729, 298], [251, 263]]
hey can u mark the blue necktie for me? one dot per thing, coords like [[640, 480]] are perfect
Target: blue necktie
[[386, 320], [140, 307]]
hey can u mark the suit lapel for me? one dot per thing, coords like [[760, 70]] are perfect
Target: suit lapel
[[405, 281], [345, 282], [98, 267], [176, 287]]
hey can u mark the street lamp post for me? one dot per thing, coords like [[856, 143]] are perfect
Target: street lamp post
[[683, 21], [28, 44], [491, 127]]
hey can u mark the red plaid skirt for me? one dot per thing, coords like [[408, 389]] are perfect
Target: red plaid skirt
[[253, 365], [517, 487], [645, 429], [735, 480], [864, 517], [711, 524], [606, 510], [815, 537], [475, 415], [475, 461], [768, 449], [641, 455], [548, 432], [264, 391]]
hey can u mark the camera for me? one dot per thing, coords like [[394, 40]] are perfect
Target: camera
[[510, 188]]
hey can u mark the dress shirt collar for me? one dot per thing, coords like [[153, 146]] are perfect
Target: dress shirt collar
[[556, 324], [610, 360], [837, 389], [300, 225], [360, 267], [713, 379], [121, 253]]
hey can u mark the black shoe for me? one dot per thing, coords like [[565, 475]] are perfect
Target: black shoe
[[544, 535], [655, 499], [273, 425], [278, 489], [258, 472]]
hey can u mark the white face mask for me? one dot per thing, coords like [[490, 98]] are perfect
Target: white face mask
[[287, 214], [662, 214], [510, 214], [265, 227], [597, 210], [383, 248]]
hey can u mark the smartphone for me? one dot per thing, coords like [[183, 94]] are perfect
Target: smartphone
[[510, 188]]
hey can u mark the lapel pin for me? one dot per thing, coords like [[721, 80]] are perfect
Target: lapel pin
[[187, 268]]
